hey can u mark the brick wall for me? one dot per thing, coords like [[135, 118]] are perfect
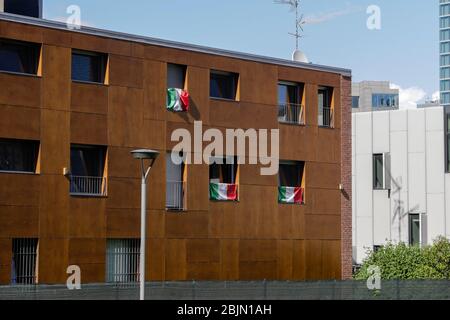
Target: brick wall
[[346, 178]]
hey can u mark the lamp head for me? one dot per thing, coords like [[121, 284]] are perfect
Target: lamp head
[[145, 154]]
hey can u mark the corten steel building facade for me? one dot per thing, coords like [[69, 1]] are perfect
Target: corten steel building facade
[[73, 104]]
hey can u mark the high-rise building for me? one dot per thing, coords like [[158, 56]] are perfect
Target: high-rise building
[[444, 37]]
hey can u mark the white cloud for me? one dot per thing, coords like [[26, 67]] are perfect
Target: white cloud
[[436, 96], [327, 16], [409, 97]]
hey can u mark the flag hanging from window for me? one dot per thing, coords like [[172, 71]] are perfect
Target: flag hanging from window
[[292, 195], [223, 191], [177, 100]]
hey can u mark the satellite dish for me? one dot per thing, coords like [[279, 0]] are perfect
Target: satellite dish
[[299, 56]]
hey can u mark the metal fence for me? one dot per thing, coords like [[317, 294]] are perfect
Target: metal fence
[[249, 290], [291, 113], [87, 186], [24, 261], [122, 260], [326, 117], [175, 191]]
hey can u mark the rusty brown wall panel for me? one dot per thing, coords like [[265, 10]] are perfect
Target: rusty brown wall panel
[[56, 75], [53, 261], [259, 84], [20, 90], [324, 201], [55, 141], [155, 90], [203, 271], [187, 225], [87, 218], [285, 254], [202, 250], [22, 32], [90, 43], [331, 267], [291, 222], [175, 259], [156, 259], [257, 250], [87, 251], [229, 259], [89, 98], [54, 206], [258, 270], [20, 122], [19, 189], [5, 261], [298, 263], [19, 222], [126, 71], [87, 128], [322, 227], [125, 117]]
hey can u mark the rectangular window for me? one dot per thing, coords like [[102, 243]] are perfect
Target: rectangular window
[[122, 260], [325, 96], [19, 56], [88, 66], [176, 76], [223, 85], [87, 165], [381, 100], [31, 8], [378, 171], [290, 98], [414, 230], [24, 262], [18, 155], [355, 102], [445, 47], [223, 179], [445, 60], [291, 187], [175, 182], [445, 73]]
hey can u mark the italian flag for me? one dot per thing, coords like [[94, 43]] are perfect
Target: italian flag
[[223, 191], [177, 100], [290, 195]]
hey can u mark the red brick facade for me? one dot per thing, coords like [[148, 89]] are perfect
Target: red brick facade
[[346, 179]]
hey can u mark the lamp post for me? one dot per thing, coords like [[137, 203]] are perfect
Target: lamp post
[[143, 155]]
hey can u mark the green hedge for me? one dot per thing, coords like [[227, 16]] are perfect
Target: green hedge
[[403, 262]]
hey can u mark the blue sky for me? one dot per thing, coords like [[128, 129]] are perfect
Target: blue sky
[[404, 51]]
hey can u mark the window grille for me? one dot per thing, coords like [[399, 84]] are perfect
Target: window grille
[[122, 260], [24, 262]]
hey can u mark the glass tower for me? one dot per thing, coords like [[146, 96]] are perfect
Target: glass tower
[[444, 36]]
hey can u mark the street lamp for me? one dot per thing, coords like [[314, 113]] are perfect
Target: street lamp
[[143, 155]]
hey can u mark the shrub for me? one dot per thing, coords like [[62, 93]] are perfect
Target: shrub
[[403, 262]]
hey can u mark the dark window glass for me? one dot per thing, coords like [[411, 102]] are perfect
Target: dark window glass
[[325, 95], [291, 174], [289, 93], [31, 8], [87, 161], [378, 176], [88, 67], [223, 85], [223, 172], [20, 57], [18, 155], [176, 75], [414, 229], [355, 102]]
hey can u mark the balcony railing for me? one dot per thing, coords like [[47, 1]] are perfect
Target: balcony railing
[[175, 193], [88, 186], [326, 118], [291, 113]]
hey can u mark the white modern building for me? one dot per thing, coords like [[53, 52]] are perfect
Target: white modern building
[[374, 96], [401, 191]]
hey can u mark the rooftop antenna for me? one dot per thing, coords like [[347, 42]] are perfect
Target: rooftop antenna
[[299, 21]]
